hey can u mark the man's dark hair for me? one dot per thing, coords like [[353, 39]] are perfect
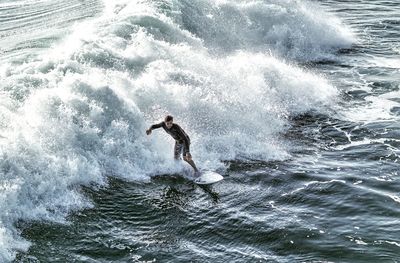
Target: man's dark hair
[[169, 118]]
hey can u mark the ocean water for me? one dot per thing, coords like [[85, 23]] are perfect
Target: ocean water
[[295, 103]]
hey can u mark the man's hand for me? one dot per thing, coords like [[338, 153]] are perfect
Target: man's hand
[[148, 132], [188, 157]]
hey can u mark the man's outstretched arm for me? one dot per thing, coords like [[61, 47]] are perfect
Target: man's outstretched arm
[[152, 127]]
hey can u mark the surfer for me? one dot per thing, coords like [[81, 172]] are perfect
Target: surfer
[[182, 140]]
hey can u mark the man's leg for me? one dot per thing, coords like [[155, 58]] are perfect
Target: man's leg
[[190, 161], [177, 151], [188, 158]]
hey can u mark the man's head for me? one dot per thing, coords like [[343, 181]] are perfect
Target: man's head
[[168, 121]]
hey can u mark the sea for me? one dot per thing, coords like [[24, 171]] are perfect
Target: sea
[[295, 102]]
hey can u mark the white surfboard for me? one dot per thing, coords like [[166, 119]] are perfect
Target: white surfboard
[[208, 177]]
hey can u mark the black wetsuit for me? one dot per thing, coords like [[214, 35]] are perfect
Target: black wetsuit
[[177, 133]]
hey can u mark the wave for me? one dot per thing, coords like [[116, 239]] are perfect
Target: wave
[[291, 29], [78, 114]]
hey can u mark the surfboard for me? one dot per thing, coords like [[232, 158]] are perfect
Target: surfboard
[[208, 177]]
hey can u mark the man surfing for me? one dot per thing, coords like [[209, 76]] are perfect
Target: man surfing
[[182, 140]]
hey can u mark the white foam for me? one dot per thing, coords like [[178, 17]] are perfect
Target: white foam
[[383, 62], [377, 108]]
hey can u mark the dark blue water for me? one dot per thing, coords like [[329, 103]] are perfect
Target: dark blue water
[[296, 104]]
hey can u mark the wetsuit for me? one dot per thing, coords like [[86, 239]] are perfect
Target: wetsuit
[[182, 140]]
